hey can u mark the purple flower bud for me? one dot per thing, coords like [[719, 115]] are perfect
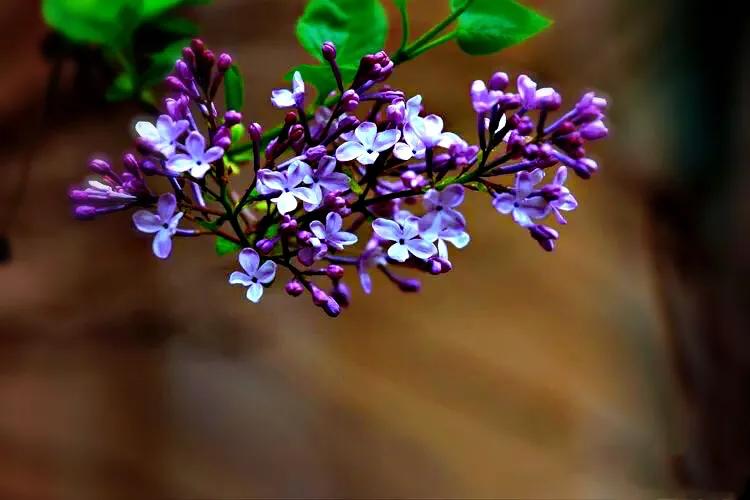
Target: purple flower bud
[[396, 111], [146, 147], [328, 49], [510, 101], [255, 131], [331, 307], [232, 117], [288, 225], [265, 245], [341, 294], [304, 236], [315, 153], [174, 84], [349, 101], [445, 264], [347, 124], [182, 70], [550, 102], [585, 168], [594, 130], [100, 167], [189, 56], [499, 81], [409, 285], [333, 201], [290, 118], [198, 47], [294, 288], [524, 124], [319, 297], [296, 133], [335, 272], [545, 236], [130, 163], [224, 62], [224, 142], [435, 267], [150, 167], [84, 212]]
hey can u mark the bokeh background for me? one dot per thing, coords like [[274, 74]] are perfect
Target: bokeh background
[[617, 366]]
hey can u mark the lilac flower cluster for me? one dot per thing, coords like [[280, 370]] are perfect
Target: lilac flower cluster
[[367, 181]]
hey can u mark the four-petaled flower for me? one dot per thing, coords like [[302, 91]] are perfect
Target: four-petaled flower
[[326, 236], [565, 200], [455, 236], [367, 144], [324, 179], [284, 98], [197, 160], [440, 207], [163, 223], [530, 96], [413, 147], [406, 238], [429, 130], [518, 203], [288, 184], [255, 275], [164, 135]]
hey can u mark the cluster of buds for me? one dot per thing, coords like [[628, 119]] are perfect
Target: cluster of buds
[[368, 182]]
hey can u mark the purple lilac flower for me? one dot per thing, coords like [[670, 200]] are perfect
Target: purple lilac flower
[[367, 144], [522, 207], [284, 98], [288, 185], [163, 224], [440, 206], [531, 98], [164, 135], [564, 199], [326, 236], [456, 236], [255, 275], [197, 160], [413, 147], [405, 236], [324, 179], [372, 256], [483, 99], [429, 129]]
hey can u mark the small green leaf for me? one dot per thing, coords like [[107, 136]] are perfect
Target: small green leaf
[[477, 186], [322, 77], [356, 27], [122, 88], [234, 89], [225, 246], [237, 133], [272, 231], [353, 184], [445, 182], [488, 26]]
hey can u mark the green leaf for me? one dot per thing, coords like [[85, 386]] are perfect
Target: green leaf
[[152, 8], [322, 77], [122, 88], [224, 246], [176, 26], [234, 88], [100, 22], [353, 184], [477, 186], [356, 27], [488, 26], [162, 63], [237, 132], [272, 231]]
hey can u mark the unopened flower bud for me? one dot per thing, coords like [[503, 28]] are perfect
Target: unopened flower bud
[[288, 225], [585, 168], [594, 130], [296, 133], [341, 294], [331, 307], [335, 272], [294, 288], [328, 49], [304, 236], [84, 212], [224, 62], [498, 81], [349, 101], [255, 131], [545, 236], [265, 245], [319, 297], [100, 167], [315, 153], [290, 118], [409, 285], [232, 117], [130, 163]]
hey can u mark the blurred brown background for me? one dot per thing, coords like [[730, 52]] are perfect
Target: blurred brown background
[[520, 374]]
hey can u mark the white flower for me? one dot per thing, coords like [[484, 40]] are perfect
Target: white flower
[[255, 275], [288, 185], [163, 136], [198, 159], [367, 144], [405, 236]]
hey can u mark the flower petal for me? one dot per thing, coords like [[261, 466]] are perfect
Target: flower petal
[[249, 260], [411, 228], [286, 203], [349, 151], [421, 248], [335, 182], [317, 228], [282, 98], [398, 252], [254, 292], [342, 239], [166, 206], [275, 181], [365, 280], [504, 202], [387, 229], [452, 196], [333, 222], [522, 218], [213, 154], [306, 194], [148, 131], [386, 139], [240, 278], [195, 144], [266, 272], [326, 166], [403, 151], [162, 245], [146, 222], [365, 133], [180, 163]]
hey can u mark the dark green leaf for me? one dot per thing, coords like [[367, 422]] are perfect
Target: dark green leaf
[[488, 26], [357, 27], [322, 77], [225, 246], [122, 88], [162, 63], [100, 22], [176, 26], [234, 89], [152, 8], [272, 231]]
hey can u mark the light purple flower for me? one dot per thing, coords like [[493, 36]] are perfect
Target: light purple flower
[[326, 236], [324, 179], [255, 275], [440, 206], [163, 224], [288, 185], [455, 236], [367, 144], [197, 160], [405, 236], [483, 99], [284, 98], [429, 129], [371, 257], [565, 201], [163, 136], [412, 148], [523, 208]]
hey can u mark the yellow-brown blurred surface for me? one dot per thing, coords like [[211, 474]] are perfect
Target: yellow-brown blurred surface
[[520, 373]]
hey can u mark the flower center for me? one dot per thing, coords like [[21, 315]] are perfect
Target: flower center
[[439, 208], [254, 279], [369, 151], [516, 204], [401, 241], [165, 225]]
